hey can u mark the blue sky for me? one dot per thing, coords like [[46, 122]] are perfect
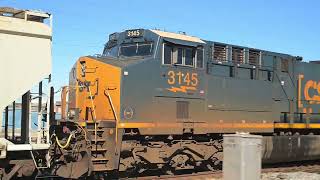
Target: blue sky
[[82, 27]]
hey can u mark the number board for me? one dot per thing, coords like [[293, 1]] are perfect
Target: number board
[[182, 82], [134, 33], [180, 78]]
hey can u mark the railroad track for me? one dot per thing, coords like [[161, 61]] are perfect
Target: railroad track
[[308, 166], [198, 176]]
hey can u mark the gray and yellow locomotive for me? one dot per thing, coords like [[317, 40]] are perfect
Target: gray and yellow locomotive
[[161, 100]]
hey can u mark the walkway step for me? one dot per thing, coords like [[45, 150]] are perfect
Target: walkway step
[[99, 159]]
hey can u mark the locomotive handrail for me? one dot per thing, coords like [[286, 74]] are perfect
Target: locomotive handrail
[[92, 104], [281, 85], [106, 93], [95, 116]]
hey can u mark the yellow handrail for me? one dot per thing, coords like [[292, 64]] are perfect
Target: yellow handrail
[[114, 112]]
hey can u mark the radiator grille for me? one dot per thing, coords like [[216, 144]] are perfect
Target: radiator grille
[[237, 55], [284, 65], [220, 52], [182, 110], [254, 57]]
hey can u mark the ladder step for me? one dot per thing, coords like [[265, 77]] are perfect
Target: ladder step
[[91, 122], [100, 168], [98, 149], [92, 130], [98, 140], [99, 159]]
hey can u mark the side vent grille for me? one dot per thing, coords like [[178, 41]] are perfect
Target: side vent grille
[[284, 65], [182, 110], [219, 52], [254, 57], [237, 55]]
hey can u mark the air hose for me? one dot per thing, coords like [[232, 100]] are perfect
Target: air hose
[[65, 145]]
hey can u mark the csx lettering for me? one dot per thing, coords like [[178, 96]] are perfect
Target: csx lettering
[[315, 86], [188, 79]]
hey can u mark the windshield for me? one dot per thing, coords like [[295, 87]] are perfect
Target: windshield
[[136, 49], [112, 51]]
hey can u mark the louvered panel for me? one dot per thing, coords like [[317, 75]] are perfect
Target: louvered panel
[[284, 65], [254, 57], [182, 110], [220, 52], [237, 55]]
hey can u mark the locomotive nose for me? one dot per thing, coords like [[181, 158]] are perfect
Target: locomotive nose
[[95, 89]]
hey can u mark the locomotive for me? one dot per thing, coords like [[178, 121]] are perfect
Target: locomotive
[[156, 100]]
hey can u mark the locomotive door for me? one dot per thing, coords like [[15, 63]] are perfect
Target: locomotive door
[[181, 82], [185, 90]]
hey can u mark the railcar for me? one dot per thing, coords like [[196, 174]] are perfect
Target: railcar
[[156, 100]]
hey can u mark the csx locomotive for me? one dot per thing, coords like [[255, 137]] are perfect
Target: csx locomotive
[[157, 100]]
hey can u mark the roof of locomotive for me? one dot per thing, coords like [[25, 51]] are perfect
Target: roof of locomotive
[[184, 39]]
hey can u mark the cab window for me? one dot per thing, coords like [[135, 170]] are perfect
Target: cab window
[[136, 49], [179, 56], [200, 58], [182, 55], [111, 51], [167, 54], [189, 57]]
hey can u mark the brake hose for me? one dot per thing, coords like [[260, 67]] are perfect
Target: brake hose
[[66, 145]]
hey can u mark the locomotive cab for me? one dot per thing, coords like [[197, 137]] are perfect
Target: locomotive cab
[[142, 70], [98, 77]]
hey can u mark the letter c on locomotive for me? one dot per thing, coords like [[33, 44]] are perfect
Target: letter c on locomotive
[[315, 96]]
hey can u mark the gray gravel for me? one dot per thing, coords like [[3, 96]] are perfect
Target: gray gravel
[[290, 176]]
